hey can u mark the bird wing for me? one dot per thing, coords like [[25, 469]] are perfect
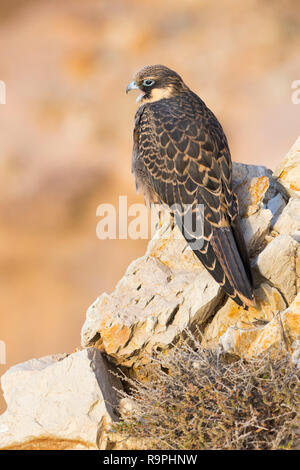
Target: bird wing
[[185, 155]]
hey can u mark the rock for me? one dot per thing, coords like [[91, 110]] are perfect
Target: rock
[[57, 402], [168, 290], [68, 401], [89, 332], [160, 295], [296, 236], [288, 172], [289, 220], [255, 229], [254, 186], [276, 206], [283, 329], [269, 302], [110, 438], [278, 263]]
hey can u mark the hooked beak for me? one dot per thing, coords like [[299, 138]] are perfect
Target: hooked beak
[[132, 86]]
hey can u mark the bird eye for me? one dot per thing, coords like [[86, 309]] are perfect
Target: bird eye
[[148, 82]]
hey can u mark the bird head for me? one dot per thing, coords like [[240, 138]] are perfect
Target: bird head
[[156, 82]]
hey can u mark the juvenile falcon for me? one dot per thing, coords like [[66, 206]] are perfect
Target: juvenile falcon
[[181, 157]]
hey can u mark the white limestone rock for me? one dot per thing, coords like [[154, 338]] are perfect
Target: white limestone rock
[[288, 172], [289, 220], [276, 206], [254, 186], [57, 402], [249, 341], [278, 263], [160, 295], [231, 316], [255, 229]]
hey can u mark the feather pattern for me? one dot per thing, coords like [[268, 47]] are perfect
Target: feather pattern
[[181, 157]]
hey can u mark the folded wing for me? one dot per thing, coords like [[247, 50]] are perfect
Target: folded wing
[[182, 150]]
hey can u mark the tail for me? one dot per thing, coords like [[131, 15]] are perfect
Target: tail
[[225, 256], [226, 246]]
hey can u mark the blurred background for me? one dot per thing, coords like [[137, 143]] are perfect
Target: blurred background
[[66, 134]]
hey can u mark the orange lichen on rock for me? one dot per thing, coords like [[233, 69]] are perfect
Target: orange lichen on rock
[[47, 443], [114, 336], [268, 303], [258, 189], [283, 329]]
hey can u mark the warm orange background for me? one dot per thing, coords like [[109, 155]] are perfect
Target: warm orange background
[[65, 134]]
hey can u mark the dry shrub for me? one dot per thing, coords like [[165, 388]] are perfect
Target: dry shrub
[[195, 400]]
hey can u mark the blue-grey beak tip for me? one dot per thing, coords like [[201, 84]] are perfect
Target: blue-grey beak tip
[[132, 86]]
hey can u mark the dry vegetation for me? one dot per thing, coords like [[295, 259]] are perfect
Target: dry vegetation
[[196, 400]]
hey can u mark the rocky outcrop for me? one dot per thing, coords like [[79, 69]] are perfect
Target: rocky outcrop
[[288, 172], [282, 330], [167, 290], [69, 401], [160, 295], [288, 221], [58, 402]]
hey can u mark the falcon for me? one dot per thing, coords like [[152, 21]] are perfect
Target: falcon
[[181, 159]]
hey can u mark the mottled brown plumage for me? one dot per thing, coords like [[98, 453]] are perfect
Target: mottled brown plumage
[[181, 156]]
